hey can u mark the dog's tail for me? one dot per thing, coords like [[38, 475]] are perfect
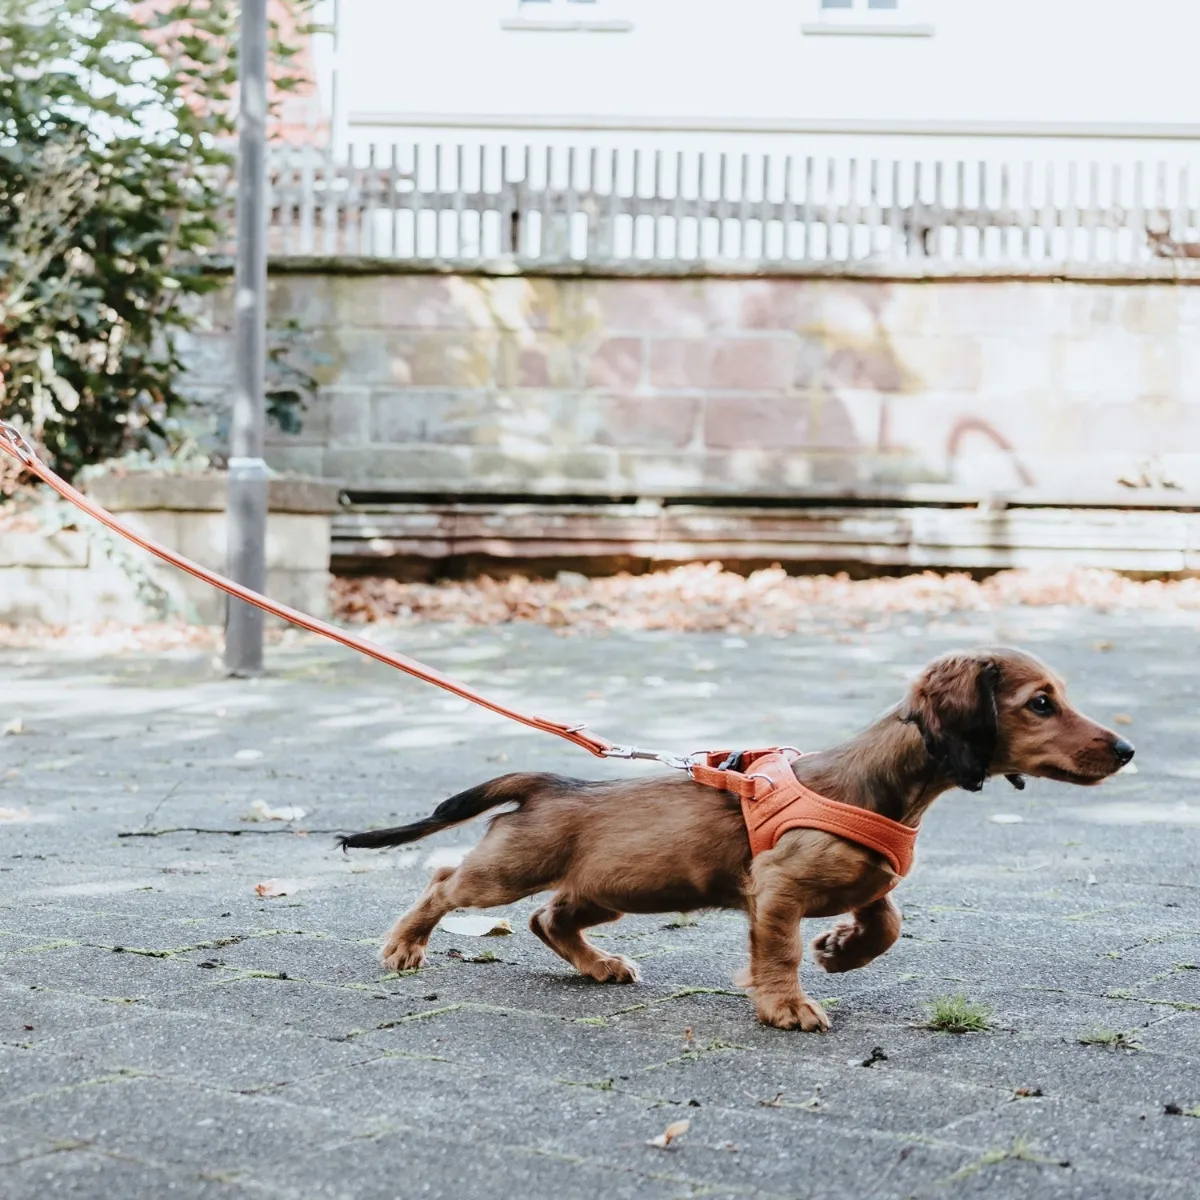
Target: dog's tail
[[508, 789]]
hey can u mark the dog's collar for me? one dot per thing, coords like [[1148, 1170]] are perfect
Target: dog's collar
[[774, 801]]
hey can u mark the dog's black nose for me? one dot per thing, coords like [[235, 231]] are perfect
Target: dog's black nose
[[1123, 750]]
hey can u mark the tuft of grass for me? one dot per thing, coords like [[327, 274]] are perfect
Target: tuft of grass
[[1115, 1039], [957, 1014]]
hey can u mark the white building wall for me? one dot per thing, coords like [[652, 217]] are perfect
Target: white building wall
[[1091, 80]]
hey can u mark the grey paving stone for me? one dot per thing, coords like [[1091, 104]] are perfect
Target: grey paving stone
[[227, 1054], [1154, 1147], [90, 971], [91, 1175], [416, 1163], [177, 1124], [326, 1011], [18, 1145], [29, 1016], [26, 1075], [986, 1181]]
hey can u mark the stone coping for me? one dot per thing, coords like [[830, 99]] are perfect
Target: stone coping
[[1161, 270], [142, 492]]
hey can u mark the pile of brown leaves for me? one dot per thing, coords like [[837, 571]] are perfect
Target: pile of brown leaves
[[694, 598], [701, 597]]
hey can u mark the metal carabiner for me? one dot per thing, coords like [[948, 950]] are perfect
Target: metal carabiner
[[16, 445], [675, 761]]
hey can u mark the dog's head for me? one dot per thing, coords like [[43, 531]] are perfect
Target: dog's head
[[1002, 712]]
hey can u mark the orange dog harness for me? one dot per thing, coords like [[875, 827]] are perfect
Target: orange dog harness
[[774, 801]]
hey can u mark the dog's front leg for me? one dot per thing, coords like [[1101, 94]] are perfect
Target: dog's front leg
[[852, 944], [776, 905]]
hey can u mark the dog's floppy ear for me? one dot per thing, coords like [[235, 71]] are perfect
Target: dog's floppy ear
[[953, 704]]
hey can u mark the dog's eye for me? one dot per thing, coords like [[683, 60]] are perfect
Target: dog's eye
[[1042, 705]]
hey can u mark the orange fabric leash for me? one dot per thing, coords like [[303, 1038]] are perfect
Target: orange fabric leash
[[14, 444], [774, 801]]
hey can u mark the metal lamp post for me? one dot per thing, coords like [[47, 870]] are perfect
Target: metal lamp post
[[246, 505]]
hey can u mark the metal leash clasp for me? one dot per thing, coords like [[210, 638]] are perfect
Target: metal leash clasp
[[15, 443], [677, 762]]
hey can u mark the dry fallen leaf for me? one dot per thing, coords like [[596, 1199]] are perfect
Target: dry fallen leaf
[[477, 926], [1123, 719], [16, 725], [675, 1130], [488, 956], [261, 811], [272, 888]]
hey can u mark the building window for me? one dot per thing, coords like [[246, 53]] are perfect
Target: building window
[[894, 18], [569, 16]]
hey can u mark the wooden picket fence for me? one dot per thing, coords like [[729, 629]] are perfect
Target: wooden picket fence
[[467, 205]]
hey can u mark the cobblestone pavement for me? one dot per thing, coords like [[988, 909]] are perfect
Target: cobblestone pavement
[[163, 1028]]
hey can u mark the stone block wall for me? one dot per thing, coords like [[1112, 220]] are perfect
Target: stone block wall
[[459, 384], [87, 574]]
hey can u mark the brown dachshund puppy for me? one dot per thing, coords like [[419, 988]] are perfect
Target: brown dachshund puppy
[[668, 844]]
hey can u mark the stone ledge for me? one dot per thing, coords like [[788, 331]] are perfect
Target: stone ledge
[[204, 493], [1167, 270], [29, 548], [73, 575], [384, 538]]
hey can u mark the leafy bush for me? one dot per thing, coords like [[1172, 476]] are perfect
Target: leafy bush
[[115, 134]]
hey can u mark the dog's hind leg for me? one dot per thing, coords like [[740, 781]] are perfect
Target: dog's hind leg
[[494, 873], [560, 924], [852, 944], [405, 945]]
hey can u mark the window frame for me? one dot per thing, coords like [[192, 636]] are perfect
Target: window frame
[[564, 16], [856, 18]]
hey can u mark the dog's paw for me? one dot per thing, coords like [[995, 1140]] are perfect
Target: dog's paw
[[743, 978], [833, 951], [403, 957], [792, 1012], [614, 968]]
